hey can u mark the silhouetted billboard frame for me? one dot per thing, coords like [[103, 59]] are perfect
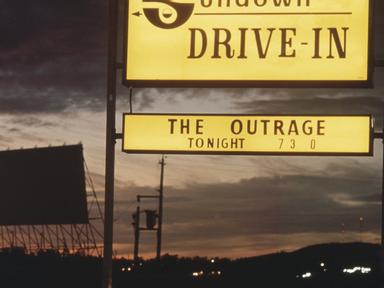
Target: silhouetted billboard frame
[[43, 186]]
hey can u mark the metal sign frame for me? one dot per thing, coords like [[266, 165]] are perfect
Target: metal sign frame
[[138, 151], [111, 135], [253, 83]]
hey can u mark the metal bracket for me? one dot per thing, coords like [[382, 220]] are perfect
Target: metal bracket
[[118, 136], [378, 135]]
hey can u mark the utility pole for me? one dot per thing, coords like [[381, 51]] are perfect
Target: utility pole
[[110, 143], [151, 216], [136, 225], [160, 224]]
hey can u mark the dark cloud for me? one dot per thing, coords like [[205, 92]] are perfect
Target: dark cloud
[[311, 105], [287, 204], [52, 55], [50, 100], [276, 101], [46, 29], [369, 198], [31, 121], [319, 101], [12, 130], [253, 208]]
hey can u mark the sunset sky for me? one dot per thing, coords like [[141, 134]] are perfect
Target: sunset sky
[[52, 92]]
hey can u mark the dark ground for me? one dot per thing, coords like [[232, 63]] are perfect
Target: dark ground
[[50, 269]]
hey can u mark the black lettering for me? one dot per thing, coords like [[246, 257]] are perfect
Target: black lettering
[[210, 142], [262, 53], [316, 54], [221, 4], [172, 128], [265, 126], [224, 143], [199, 126], [320, 128], [286, 42], [206, 3], [260, 3], [236, 127], [199, 142], [307, 3], [278, 2], [334, 37], [251, 129], [307, 127], [190, 142], [293, 128], [192, 51], [237, 143], [234, 142], [242, 43], [244, 4], [218, 42], [279, 127], [184, 126]]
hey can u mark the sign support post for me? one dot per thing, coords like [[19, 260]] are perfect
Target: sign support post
[[382, 207], [380, 135], [110, 143], [382, 192]]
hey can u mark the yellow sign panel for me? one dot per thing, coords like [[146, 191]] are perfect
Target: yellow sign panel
[[221, 41], [252, 134]]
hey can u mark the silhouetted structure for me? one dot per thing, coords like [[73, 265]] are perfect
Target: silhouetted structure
[[348, 265], [44, 201], [154, 218]]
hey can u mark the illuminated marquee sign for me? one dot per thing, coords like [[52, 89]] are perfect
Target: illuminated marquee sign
[[247, 134], [247, 43]]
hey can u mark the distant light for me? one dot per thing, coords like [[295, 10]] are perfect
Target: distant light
[[306, 275], [218, 272], [195, 274], [126, 269], [322, 264], [212, 260], [363, 270], [141, 263], [325, 270], [201, 272]]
